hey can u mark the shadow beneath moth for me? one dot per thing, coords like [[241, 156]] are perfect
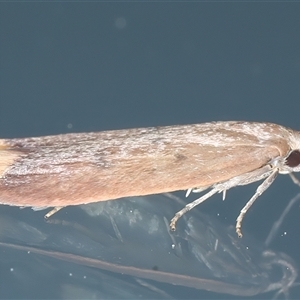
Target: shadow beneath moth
[[129, 243], [80, 168]]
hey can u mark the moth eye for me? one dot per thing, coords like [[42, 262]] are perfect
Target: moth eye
[[293, 160]]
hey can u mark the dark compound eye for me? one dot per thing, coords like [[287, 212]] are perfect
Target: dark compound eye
[[293, 160]]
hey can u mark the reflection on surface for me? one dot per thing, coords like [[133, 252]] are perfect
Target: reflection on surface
[[124, 249]]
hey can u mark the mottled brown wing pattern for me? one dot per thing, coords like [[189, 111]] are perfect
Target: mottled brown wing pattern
[[81, 168]]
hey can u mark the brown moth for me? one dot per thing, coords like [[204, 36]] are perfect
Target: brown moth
[[79, 168]]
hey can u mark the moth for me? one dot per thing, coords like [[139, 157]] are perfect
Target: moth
[[79, 168]]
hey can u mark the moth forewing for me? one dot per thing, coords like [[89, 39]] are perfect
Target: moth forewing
[[64, 176], [78, 168]]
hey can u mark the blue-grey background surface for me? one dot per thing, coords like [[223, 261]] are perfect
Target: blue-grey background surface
[[90, 66]]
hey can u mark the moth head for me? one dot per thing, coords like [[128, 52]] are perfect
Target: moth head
[[292, 161]]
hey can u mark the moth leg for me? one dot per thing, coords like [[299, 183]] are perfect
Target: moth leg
[[53, 211], [295, 179], [188, 192], [243, 179], [261, 188], [224, 195], [196, 190], [190, 206]]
